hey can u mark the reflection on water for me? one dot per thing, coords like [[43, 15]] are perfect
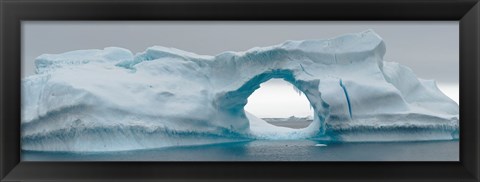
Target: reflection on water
[[268, 150]]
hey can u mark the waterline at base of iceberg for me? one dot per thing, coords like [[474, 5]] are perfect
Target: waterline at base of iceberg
[[125, 138], [268, 150]]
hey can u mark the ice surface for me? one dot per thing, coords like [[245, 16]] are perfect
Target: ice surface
[[104, 100]]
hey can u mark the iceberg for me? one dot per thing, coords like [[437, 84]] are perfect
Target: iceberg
[[114, 100]]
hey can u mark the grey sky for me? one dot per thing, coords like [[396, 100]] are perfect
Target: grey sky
[[431, 49]]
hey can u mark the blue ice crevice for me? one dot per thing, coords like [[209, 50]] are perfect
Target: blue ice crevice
[[347, 97]]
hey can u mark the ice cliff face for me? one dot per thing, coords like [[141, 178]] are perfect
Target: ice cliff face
[[108, 100]]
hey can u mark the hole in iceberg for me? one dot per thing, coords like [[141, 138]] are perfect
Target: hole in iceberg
[[275, 108]]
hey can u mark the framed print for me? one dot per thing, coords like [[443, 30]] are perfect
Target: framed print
[[168, 104], [159, 90]]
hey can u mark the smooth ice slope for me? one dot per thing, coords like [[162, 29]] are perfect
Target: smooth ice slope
[[109, 100]]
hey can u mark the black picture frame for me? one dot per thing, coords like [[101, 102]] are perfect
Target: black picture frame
[[467, 12]]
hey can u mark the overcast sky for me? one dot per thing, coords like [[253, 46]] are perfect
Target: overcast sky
[[430, 48]]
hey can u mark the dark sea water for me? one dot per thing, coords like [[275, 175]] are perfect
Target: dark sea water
[[276, 150]]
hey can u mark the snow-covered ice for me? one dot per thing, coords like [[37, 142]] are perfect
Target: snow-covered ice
[[111, 99]]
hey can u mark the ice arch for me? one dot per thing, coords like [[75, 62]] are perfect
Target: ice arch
[[232, 103]]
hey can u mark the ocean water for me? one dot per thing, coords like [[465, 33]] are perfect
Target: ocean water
[[276, 150]]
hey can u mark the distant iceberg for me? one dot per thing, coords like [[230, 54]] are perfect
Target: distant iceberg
[[112, 100]]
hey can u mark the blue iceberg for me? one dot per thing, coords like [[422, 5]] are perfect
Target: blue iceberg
[[113, 100]]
